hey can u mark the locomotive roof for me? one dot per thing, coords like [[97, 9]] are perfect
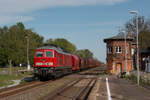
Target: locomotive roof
[[58, 49]]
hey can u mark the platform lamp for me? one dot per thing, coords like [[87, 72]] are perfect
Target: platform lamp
[[137, 47]]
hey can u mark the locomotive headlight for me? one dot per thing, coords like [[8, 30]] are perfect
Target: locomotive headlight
[[50, 63]]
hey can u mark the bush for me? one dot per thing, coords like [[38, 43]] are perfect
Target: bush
[[123, 75]]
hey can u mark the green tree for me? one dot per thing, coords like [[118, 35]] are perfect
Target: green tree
[[63, 43], [85, 53], [13, 44], [144, 40], [35, 41], [80, 53]]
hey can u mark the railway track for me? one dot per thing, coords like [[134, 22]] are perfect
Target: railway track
[[94, 71], [77, 90], [19, 88], [76, 86], [34, 90]]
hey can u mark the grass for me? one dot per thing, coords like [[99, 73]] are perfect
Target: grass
[[6, 79], [142, 82], [145, 82], [5, 82], [132, 77], [14, 69]]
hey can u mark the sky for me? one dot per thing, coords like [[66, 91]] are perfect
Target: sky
[[85, 23]]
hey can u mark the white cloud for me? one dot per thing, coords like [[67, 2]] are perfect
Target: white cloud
[[109, 23], [14, 19], [18, 7]]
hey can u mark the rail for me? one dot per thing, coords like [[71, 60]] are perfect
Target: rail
[[61, 90], [88, 88]]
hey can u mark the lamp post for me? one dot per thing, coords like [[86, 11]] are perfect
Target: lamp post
[[137, 47], [28, 63]]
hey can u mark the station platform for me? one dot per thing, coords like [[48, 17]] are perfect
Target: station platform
[[120, 89]]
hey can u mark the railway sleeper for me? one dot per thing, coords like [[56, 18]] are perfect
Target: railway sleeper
[[84, 93]]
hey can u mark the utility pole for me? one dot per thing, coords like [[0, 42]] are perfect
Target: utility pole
[[125, 57], [28, 63], [137, 47], [125, 53], [10, 67]]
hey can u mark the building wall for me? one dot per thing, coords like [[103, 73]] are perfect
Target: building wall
[[116, 61]]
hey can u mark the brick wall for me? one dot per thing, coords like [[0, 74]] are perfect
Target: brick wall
[[114, 59]]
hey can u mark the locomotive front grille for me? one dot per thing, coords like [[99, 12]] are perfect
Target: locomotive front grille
[[41, 70]]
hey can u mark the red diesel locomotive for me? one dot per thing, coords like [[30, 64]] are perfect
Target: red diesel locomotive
[[52, 61]]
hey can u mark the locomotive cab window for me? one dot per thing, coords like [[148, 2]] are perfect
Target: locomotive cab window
[[39, 54], [49, 54]]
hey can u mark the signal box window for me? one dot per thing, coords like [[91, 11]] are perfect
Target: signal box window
[[109, 49], [49, 54], [39, 54], [118, 49]]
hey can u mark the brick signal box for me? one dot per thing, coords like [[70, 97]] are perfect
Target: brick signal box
[[118, 60]]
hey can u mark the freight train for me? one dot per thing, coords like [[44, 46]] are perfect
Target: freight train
[[52, 61]]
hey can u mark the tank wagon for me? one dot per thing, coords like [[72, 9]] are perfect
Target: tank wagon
[[75, 63], [52, 61]]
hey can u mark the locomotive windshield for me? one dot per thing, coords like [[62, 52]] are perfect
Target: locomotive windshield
[[49, 54], [39, 54]]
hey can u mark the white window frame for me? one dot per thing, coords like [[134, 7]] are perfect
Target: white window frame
[[118, 49], [132, 51]]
